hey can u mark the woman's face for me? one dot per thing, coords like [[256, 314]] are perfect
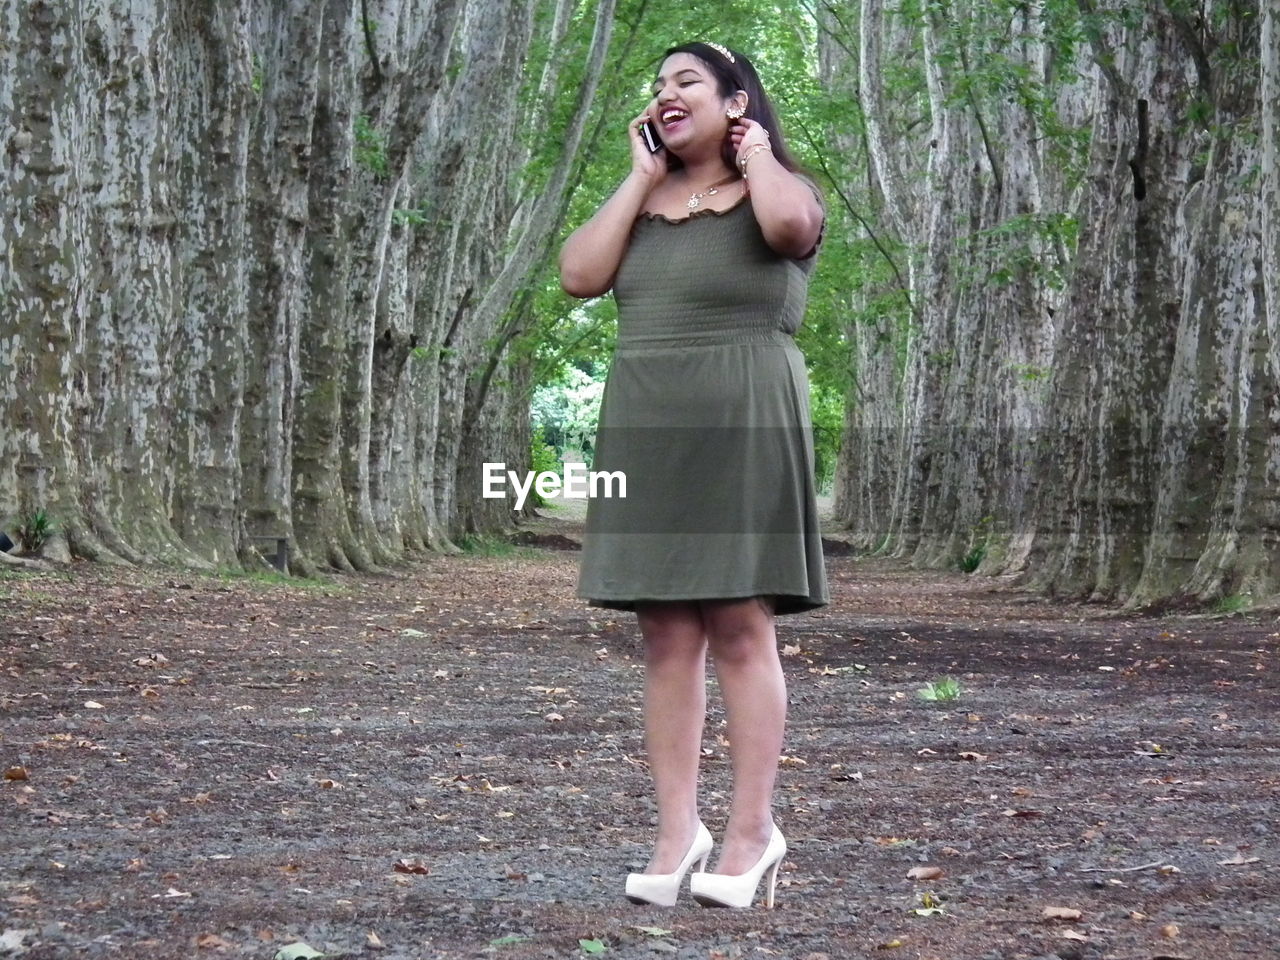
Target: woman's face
[[687, 106]]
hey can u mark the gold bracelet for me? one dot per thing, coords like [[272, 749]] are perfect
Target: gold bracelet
[[742, 164]]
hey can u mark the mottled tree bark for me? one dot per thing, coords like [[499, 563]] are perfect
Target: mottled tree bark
[[249, 248]]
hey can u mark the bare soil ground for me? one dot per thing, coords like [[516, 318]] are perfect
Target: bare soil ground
[[200, 767]]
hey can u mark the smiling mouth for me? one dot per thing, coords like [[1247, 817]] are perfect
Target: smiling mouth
[[672, 116]]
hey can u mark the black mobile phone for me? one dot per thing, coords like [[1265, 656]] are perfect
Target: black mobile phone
[[650, 134]]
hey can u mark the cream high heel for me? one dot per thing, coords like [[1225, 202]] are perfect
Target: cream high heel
[[661, 889], [725, 890]]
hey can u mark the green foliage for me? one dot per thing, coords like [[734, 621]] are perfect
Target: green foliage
[[1234, 603], [973, 559], [34, 530], [827, 414], [370, 147], [275, 578], [509, 940], [485, 545], [939, 691], [258, 76], [409, 218], [542, 459], [566, 410], [980, 540]]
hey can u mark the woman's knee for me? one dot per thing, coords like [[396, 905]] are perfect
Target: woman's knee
[[740, 630], [672, 631]]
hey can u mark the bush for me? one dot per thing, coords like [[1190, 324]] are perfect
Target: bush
[[543, 458]]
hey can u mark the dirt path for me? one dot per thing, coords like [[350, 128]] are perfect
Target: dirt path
[[223, 767]]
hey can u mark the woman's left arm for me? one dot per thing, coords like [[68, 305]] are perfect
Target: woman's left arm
[[787, 210]]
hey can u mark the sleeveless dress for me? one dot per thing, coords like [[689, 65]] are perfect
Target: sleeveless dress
[[705, 411]]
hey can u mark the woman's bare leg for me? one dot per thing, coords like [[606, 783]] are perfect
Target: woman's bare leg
[[745, 651], [675, 705]]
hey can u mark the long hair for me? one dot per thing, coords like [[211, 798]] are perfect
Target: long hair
[[730, 78]]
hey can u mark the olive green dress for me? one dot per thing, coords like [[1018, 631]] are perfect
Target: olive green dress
[[706, 413]]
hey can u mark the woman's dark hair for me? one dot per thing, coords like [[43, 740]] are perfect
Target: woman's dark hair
[[730, 78]]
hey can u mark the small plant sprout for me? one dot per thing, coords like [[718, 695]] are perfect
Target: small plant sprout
[[34, 530], [942, 690]]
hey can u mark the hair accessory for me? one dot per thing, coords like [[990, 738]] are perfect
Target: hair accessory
[[715, 46]]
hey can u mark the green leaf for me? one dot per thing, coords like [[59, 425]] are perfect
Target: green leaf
[[653, 931], [508, 940], [297, 951], [592, 946]]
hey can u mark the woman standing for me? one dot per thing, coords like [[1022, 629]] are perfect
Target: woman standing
[[707, 246]]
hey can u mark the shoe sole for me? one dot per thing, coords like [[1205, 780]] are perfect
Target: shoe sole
[[710, 901]]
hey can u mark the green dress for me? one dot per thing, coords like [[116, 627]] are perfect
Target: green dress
[[706, 413]]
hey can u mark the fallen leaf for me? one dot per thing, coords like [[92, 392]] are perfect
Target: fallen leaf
[[1060, 913], [374, 940], [514, 874], [553, 717], [653, 931], [93, 705], [1075, 935], [1168, 869], [791, 650], [592, 946], [1238, 860], [16, 773], [924, 873], [970, 755], [297, 951], [211, 941], [405, 865], [891, 945], [1170, 931], [11, 940]]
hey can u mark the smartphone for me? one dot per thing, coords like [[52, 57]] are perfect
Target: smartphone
[[650, 134]]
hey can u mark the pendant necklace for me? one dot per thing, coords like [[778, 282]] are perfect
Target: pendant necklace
[[711, 191]]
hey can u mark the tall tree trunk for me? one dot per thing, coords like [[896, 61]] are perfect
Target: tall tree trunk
[[207, 481]]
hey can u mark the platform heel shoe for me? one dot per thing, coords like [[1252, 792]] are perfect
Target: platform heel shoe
[[722, 890], [661, 889]]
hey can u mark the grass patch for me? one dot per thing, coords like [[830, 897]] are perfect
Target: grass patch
[[1234, 603], [275, 578], [487, 545]]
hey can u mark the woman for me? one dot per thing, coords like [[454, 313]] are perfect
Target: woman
[[707, 246]]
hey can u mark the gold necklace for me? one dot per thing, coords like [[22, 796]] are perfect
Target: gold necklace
[[711, 191]]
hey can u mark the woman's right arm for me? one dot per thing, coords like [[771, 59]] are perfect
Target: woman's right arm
[[590, 258]]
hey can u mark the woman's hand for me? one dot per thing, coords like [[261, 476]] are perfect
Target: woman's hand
[[745, 135], [650, 166]]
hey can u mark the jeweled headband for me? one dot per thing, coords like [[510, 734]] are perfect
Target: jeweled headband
[[715, 46]]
